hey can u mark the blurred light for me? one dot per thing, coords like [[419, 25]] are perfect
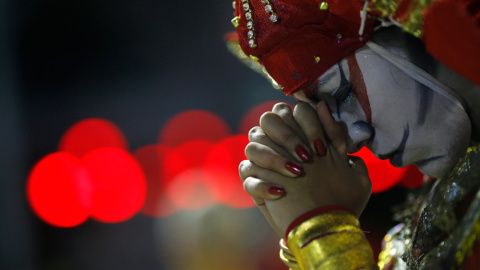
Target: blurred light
[[193, 125], [184, 181], [152, 160], [251, 118], [382, 174], [119, 184], [414, 178], [221, 172], [59, 190], [91, 134]]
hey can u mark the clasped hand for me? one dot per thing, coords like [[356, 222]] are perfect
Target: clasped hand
[[298, 162]]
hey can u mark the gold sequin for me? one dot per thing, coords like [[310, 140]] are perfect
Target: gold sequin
[[235, 22], [323, 6]]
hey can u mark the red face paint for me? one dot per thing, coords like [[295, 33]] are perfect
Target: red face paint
[[359, 88]]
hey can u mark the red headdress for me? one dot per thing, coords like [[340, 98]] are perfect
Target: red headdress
[[297, 41]]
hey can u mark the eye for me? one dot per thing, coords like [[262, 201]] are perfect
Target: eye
[[343, 93]]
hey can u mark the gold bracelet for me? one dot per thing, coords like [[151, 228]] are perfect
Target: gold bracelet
[[331, 240]]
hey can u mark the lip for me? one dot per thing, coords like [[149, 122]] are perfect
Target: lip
[[396, 156]]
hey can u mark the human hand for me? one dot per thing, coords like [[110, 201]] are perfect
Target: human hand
[[330, 177]]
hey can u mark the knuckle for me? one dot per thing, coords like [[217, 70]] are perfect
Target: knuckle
[[267, 116], [256, 134], [244, 166], [251, 148], [282, 107]]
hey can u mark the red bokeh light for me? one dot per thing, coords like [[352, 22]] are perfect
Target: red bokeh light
[[414, 178], [221, 172], [194, 125], [382, 174], [119, 184], [59, 190], [152, 160], [250, 119], [90, 134], [185, 185]]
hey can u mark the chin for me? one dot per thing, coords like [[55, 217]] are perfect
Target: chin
[[438, 168]]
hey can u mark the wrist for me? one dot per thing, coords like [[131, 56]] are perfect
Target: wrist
[[313, 213]]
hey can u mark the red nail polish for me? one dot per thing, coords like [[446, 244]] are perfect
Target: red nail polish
[[319, 147], [276, 191], [302, 153], [293, 168]]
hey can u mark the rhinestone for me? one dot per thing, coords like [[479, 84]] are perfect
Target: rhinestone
[[233, 4], [274, 18], [317, 59], [248, 16], [250, 34], [251, 43], [265, 1], [323, 6], [339, 36], [268, 8], [250, 25], [244, 0], [246, 6]]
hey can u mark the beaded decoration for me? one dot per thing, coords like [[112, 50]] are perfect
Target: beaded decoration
[[250, 22]]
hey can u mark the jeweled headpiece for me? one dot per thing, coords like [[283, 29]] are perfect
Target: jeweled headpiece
[[297, 41]]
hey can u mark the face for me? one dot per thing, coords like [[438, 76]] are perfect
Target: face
[[387, 111]]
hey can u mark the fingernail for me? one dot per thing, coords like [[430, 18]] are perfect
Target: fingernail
[[293, 168], [276, 191], [328, 107], [302, 153], [319, 147]]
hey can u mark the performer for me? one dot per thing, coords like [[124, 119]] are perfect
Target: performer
[[399, 77]]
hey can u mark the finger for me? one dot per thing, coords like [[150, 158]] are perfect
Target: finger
[[262, 190], [257, 186], [257, 135], [308, 120], [265, 157], [283, 135], [333, 131], [285, 112]]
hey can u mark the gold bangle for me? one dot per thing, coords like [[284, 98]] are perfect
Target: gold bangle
[[331, 240]]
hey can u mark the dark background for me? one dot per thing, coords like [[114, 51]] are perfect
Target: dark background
[[137, 64]]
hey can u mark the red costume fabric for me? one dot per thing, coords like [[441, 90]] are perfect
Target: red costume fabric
[[305, 41]]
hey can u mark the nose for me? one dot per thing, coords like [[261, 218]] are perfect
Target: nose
[[360, 133]]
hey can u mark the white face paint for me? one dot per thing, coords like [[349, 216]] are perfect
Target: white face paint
[[392, 114]]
